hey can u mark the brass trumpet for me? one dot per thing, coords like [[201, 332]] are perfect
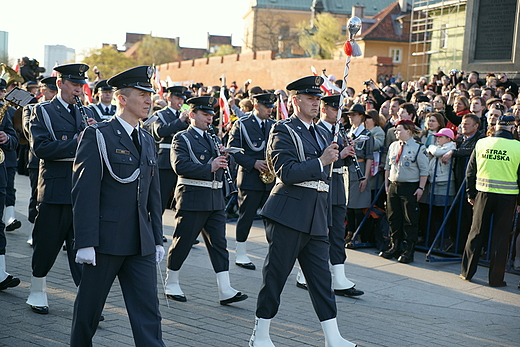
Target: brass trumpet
[[268, 176]]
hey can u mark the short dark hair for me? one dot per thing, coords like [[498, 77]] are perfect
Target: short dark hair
[[475, 118]]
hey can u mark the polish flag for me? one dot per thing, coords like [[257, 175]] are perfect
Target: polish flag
[[323, 86], [158, 83], [284, 114], [224, 107]]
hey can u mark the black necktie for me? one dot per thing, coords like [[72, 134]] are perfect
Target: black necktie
[[206, 137], [333, 130], [107, 111], [313, 133], [72, 111], [262, 126], [135, 140]]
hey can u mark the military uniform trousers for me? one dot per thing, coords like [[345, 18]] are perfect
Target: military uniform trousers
[[33, 199], [167, 181], [502, 208], [52, 226], [188, 225], [403, 210], [337, 235], [10, 197], [285, 246], [3, 240], [141, 301], [249, 201]]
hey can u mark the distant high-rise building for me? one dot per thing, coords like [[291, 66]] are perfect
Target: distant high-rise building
[[57, 54], [4, 40]]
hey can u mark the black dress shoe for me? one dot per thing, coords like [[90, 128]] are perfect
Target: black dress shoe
[[101, 318], [238, 297], [196, 242], [499, 284], [180, 298], [40, 309], [164, 239], [348, 292], [13, 225], [9, 282], [302, 285], [249, 266]]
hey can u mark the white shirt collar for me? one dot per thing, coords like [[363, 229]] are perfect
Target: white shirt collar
[[200, 132], [173, 110], [327, 125], [128, 127], [258, 119], [65, 104]]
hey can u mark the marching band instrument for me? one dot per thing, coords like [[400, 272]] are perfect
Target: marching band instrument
[[350, 141], [227, 174], [84, 116]]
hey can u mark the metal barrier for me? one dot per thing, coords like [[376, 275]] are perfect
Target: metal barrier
[[434, 253]]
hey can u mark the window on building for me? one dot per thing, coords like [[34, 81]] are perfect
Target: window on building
[[396, 54]]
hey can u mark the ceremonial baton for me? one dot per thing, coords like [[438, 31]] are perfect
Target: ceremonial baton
[[351, 49]]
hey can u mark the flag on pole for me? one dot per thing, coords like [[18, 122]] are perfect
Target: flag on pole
[[158, 83], [224, 107], [323, 86], [284, 114]]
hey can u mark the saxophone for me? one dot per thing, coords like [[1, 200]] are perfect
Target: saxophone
[[268, 176]]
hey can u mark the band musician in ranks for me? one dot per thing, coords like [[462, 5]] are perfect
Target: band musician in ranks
[[55, 126], [338, 199], [254, 180], [170, 121], [103, 110], [296, 214], [117, 215], [49, 91], [8, 142], [199, 201]]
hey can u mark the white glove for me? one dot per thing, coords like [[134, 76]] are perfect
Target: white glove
[[86, 256], [159, 253]]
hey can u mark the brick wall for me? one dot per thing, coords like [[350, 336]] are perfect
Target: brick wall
[[270, 73]]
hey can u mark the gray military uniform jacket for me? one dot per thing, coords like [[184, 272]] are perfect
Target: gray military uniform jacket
[[247, 134], [163, 129], [191, 158], [55, 142], [300, 208], [116, 218]]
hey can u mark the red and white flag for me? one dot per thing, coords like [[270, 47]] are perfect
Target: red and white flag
[[224, 107], [158, 83], [284, 114]]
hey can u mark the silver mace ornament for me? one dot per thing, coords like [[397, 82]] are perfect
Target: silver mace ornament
[[353, 25]]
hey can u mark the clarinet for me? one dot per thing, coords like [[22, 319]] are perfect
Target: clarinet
[[227, 174], [82, 111], [359, 173]]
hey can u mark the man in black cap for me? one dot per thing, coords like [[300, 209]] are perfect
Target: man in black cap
[[104, 110], [49, 90], [55, 127], [117, 215], [254, 180], [337, 195], [493, 185], [8, 143], [199, 201], [170, 121], [296, 214]]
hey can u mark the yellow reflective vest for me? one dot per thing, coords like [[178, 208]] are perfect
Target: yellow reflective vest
[[497, 165]]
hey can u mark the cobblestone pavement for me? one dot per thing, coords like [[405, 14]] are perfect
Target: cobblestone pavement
[[421, 304]]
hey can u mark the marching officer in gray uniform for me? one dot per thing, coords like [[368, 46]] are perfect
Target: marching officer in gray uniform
[[55, 127], [8, 143], [103, 110], [49, 91], [337, 195], [296, 214], [199, 201], [170, 121], [11, 165], [254, 180], [117, 215]]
